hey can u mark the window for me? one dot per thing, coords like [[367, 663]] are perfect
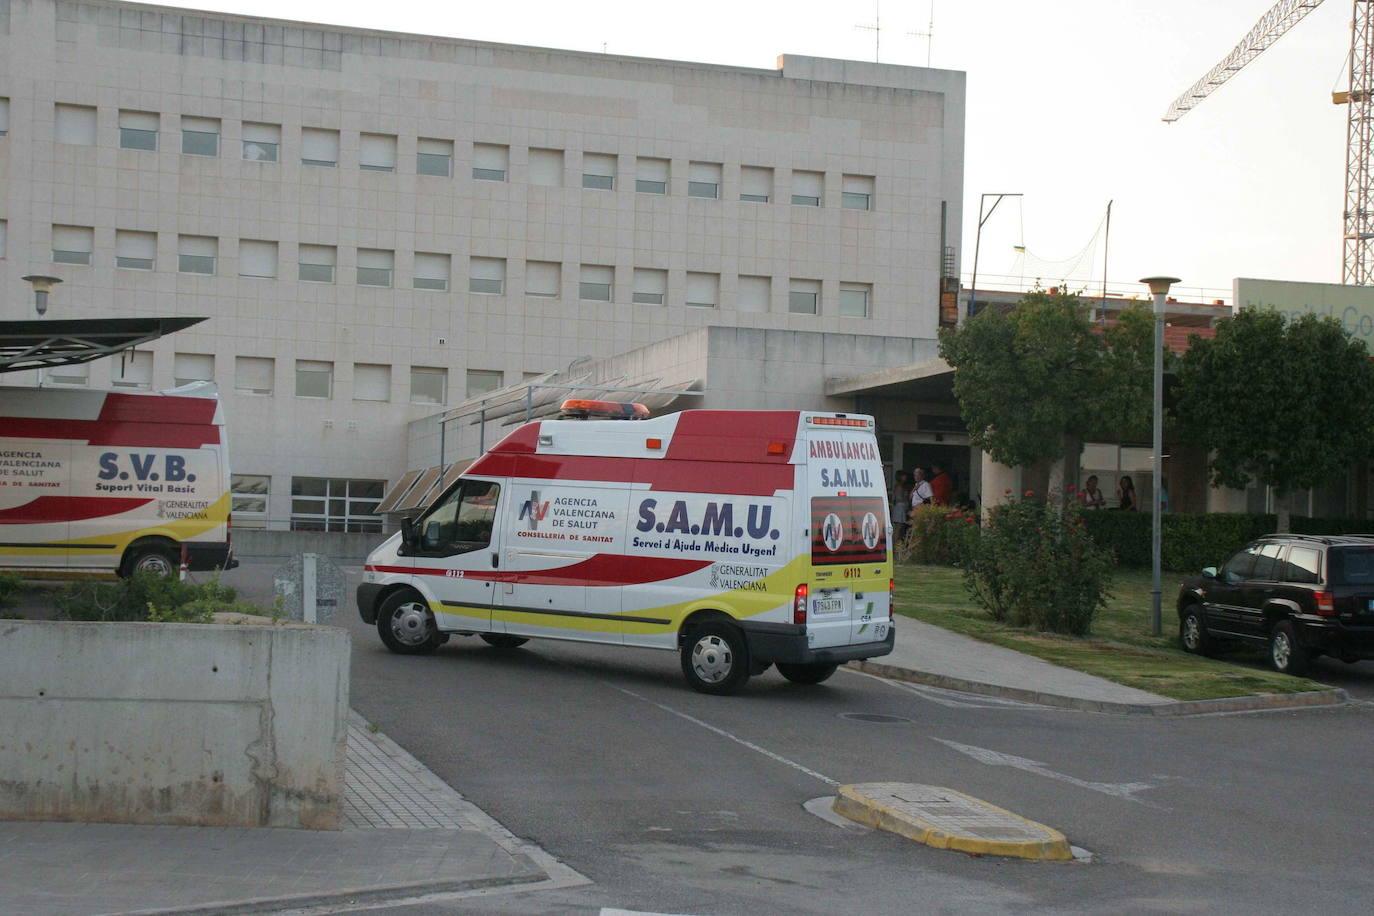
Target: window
[[70, 374], [428, 385], [1304, 565], [463, 522], [199, 136], [138, 130], [314, 379], [651, 176], [4, 116], [135, 250], [377, 152], [248, 494], [598, 171], [595, 282], [804, 297], [807, 188], [483, 381], [854, 299], [74, 124], [261, 142], [651, 286], [72, 244], [1112, 462], [196, 254], [756, 184], [754, 294], [856, 192], [327, 504], [703, 290], [487, 276], [431, 271], [257, 258], [703, 180], [254, 374], [546, 167], [490, 162], [1240, 565], [316, 263], [192, 367], [375, 267], [319, 147], [434, 157], [542, 279], [1267, 565], [133, 369], [371, 382]]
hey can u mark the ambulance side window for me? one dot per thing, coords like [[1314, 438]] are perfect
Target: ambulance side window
[[463, 522]]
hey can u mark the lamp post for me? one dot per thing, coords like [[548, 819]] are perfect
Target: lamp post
[[41, 287], [978, 243], [1159, 289]]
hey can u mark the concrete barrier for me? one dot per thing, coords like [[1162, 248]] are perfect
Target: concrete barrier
[[259, 543], [163, 723]]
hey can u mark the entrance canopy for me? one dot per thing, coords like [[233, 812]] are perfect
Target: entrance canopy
[[40, 344], [931, 381]]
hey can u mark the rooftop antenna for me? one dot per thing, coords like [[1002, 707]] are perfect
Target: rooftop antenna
[[876, 28], [929, 33]]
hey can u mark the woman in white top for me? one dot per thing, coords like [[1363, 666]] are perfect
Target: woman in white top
[[921, 494]]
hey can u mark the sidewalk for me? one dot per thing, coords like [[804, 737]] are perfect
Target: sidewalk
[[927, 654], [407, 834]]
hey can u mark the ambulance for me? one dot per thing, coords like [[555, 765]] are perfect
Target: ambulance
[[738, 539], [105, 483]]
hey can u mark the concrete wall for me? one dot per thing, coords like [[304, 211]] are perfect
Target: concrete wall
[[173, 723], [256, 543]]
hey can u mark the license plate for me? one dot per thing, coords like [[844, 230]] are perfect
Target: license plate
[[828, 606]]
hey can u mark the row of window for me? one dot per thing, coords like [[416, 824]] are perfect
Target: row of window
[[256, 375], [196, 254], [317, 503], [320, 147]]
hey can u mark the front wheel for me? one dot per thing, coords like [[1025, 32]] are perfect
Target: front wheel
[[406, 625], [715, 659], [1286, 653], [806, 674], [502, 641], [1192, 633]]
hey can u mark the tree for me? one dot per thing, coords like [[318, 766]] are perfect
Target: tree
[[1289, 405], [1034, 380]]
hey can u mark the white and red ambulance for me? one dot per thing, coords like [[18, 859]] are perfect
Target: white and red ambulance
[[740, 539], [105, 482]]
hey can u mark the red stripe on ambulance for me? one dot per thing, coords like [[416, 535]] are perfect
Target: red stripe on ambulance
[[52, 509]]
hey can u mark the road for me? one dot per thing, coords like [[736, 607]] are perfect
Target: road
[[674, 802]]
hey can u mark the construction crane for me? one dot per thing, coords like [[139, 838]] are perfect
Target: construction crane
[[1358, 239]]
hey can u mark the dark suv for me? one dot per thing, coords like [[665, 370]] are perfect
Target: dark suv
[[1303, 595]]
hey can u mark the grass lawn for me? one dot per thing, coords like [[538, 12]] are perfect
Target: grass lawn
[[1121, 648]]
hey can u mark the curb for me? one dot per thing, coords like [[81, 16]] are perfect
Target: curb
[[1314, 698]]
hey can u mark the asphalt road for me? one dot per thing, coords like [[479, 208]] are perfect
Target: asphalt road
[[674, 802]]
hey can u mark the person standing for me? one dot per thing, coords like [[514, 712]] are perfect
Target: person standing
[[1125, 494], [901, 503], [1091, 495], [941, 486], [921, 494]]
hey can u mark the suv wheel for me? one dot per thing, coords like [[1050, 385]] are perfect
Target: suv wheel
[[1192, 633], [1285, 652]]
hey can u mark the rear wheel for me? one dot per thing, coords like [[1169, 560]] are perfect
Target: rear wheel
[[501, 641], [1192, 633], [715, 658], [406, 625], [155, 558], [806, 674], [1286, 653]]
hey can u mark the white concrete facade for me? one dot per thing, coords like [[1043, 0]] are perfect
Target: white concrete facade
[[168, 148]]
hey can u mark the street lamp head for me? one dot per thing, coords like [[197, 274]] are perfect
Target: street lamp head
[[41, 287], [1159, 286]]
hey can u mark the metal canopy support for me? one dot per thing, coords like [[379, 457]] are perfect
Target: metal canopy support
[[43, 344], [1358, 264]]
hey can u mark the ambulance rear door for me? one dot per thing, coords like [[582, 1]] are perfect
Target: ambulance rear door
[[37, 504], [851, 564]]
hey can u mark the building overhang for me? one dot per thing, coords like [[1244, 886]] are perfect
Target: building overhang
[[932, 380], [42, 344]]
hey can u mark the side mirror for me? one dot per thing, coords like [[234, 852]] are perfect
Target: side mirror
[[409, 536], [1209, 572]]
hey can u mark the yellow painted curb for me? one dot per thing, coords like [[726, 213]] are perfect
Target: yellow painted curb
[[877, 805]]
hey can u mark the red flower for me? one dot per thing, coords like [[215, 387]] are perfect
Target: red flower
[[1030, 492], [1073, 489]]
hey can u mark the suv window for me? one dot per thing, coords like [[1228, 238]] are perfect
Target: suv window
[[1267, 565], [1352, 566], [1241, 565], [1303, 566]]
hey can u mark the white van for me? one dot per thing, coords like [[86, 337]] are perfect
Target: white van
[[740, 539], [104, 482]]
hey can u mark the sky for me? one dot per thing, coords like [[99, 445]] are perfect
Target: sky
[[1065, 99]]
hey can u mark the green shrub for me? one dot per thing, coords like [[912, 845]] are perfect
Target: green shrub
[[11, 587], [939, 536], [1036, 567], [147, 596]]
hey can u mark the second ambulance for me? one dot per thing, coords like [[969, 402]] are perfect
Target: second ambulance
[[739, 539]]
